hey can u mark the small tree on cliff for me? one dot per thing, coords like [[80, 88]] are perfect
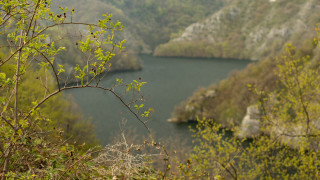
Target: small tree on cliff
[[29, 146]]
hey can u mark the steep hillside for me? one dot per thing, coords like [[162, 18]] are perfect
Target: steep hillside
[[155, 22], [147, 23], [248, 29], [226, 102], [89, 11]]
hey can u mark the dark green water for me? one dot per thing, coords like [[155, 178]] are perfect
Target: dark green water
[[170, 81]]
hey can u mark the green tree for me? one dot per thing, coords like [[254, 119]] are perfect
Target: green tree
[[289, 145], [30, 145]]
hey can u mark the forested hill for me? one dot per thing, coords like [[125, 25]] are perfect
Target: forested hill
[[148, 23], [156, 21], [248, 29], [209, 28]]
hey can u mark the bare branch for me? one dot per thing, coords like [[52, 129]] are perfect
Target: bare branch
[[86, 86], [79, 160], [122, 101], [300, 135], [1, 148], [43, 30], [53, 69], [7, 18], [33, 14], [14, 128], [226, 168]]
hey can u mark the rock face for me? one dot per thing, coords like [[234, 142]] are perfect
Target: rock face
[[248, 30], [250, 126], [290, 134], [210, 27], [193, 107]]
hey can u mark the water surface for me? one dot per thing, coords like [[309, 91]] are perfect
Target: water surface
[[169, 81]]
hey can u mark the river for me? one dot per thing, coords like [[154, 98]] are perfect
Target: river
[[169, 81]]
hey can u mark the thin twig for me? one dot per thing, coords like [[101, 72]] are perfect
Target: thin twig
[[86, 86], [14, 128], [53, 68], [33, 14], [43, 30]]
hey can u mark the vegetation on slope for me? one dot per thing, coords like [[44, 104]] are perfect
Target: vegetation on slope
[[226, 102], [247, 30], [31, 146], [88, 11], [40, 136], [155, 22], [288, 147]]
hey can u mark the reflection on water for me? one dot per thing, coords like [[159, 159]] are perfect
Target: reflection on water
[[170, 81]]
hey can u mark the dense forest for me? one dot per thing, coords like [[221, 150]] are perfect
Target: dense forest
[[259, 123]]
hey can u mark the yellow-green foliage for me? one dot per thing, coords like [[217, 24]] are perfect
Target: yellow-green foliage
[[219, 154], [63, 113], [289, 145], [292, 110], [39, 128], [232, 96], [202, 48], [123, 61], [61, 110]]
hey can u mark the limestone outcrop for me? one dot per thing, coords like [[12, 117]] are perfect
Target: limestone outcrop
[[250, 126]]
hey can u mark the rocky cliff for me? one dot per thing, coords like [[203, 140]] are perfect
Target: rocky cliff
[[248, 29]]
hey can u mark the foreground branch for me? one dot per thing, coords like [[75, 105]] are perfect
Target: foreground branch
[[86, 86]]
